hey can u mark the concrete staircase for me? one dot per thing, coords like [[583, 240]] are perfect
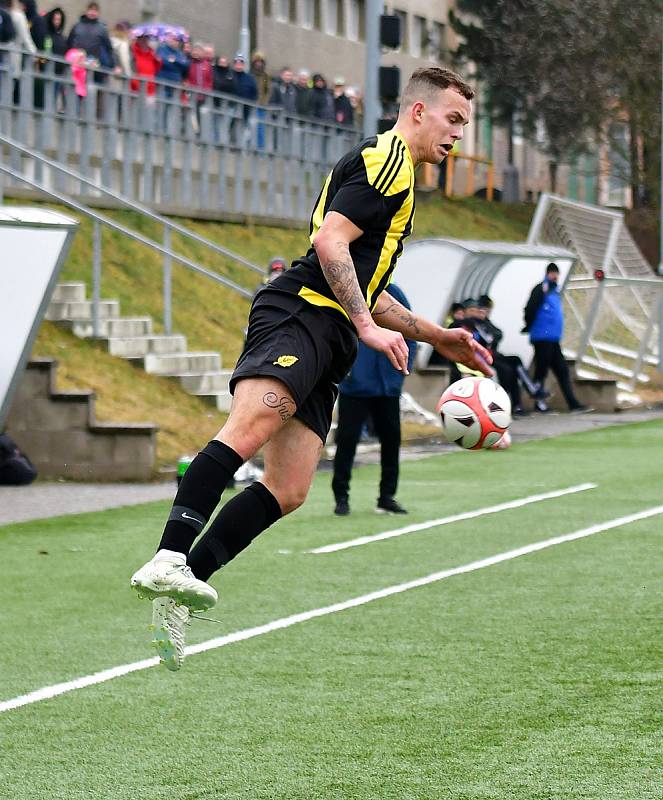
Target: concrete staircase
[[62, 437], [199, 373]]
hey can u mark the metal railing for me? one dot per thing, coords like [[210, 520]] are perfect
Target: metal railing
[[100, 220], [169, 146], [626, 362]]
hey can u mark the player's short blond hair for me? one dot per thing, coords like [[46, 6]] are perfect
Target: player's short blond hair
[[426, 81]]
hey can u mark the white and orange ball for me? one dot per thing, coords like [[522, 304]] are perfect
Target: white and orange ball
[[475, 413]]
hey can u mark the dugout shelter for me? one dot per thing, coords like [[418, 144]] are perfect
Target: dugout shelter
[[434, 273]]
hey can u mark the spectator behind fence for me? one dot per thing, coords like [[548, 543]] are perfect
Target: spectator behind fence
[[354, 96], [21, 41], [77, 59], [343, 111], [245, 83], [304, 99], [121, 45], [199, 77], [322, 103], [16, 468], [284, 94], [146, 64], [48, 35], [223, 77], [261, 77], [91, 35], [7, 31], [174, 63]]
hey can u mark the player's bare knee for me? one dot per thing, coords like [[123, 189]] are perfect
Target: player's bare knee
[[289, 498]]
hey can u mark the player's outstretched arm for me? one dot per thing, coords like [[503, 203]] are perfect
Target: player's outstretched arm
[[332, 244], [455, 344]]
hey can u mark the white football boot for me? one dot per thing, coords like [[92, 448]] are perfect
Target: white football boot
[[168, 631], [167, 575]]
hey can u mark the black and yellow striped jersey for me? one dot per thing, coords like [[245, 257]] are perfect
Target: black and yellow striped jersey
[[373, 186]]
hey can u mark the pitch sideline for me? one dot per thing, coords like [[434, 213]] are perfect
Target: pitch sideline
[[55, 690], [434, 523]]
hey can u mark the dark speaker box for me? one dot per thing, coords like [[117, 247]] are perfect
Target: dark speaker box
[[390, 82], [390, 30]]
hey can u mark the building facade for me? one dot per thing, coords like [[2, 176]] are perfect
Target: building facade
[[328, 36]]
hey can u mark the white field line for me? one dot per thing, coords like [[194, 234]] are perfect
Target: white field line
[[249, 633], [434, 523]]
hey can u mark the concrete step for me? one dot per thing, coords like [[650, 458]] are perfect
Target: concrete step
[[82, 310], [68, 293], [202, 383], [119, 326], [221, 400], [140, 346], [182, 363]]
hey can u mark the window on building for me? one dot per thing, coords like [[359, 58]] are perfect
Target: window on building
[[419, 37], [356, 21], [293, 11], [311, 14], [331, 16], [340, 18], [405, 38], [282, 10], [437, 44], [267, 8]]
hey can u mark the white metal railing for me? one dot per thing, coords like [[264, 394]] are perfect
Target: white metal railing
[[169, 146], [99, 221]]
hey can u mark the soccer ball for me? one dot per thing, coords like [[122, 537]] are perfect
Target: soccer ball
[[502, 444], [475, 413]]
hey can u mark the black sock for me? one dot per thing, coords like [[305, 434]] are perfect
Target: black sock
[[198, 495], [236, 525]]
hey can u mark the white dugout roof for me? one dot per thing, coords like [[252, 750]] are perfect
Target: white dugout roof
[[434, 273]]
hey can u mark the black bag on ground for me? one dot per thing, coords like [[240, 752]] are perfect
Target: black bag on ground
[[15, 467]]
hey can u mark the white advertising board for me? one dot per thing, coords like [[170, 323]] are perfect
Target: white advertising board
[[34, 244]]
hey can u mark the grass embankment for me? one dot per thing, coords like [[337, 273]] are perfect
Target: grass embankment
[[211, 316]]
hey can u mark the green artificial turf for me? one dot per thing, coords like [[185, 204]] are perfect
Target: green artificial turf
[[536, 679]]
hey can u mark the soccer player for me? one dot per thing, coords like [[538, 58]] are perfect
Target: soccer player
[[301, 341]]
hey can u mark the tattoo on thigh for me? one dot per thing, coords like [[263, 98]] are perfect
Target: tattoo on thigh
[[284, 405]]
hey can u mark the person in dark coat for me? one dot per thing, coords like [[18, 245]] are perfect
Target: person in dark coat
[[284, 94], [304, 101], [371, 389], [91, 35], [344, 113], [322, 102], [223, 77]]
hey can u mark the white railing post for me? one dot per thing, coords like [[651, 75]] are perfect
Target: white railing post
[[96, 277], [167, 283]]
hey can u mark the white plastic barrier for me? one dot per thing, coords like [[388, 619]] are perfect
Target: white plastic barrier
[[434, 273], [34, 244]]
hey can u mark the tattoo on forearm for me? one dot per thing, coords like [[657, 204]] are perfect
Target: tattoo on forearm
[[399, 311], [284, 405], [342, 279]]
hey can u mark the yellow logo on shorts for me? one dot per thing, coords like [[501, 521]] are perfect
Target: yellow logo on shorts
[[286, 361]]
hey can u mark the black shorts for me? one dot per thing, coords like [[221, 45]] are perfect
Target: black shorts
[[307, 349]]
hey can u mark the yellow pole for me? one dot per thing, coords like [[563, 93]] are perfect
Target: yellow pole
[[489, 183], [449, 186]]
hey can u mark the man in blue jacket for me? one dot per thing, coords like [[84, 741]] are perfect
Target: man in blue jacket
[[371, 388], [544, 321]]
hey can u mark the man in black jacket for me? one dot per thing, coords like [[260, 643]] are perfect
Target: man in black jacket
[[91, 34]]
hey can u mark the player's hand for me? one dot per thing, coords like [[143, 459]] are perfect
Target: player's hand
[[390, 343], [459, 345]]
